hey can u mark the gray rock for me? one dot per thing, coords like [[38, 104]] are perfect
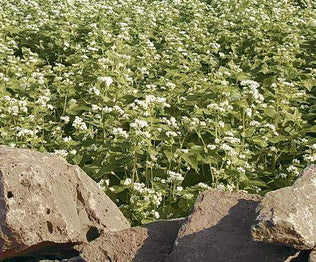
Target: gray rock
[[152, 242], [219, 230], [288, 215], [46, 202]]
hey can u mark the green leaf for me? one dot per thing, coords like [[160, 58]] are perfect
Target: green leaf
[[190, 160]]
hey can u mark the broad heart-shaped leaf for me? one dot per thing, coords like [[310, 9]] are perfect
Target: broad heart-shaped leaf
[[77, 159], [208, 159], [75, 110], [243, 177], [152, 152], [104, 170], [191, 160], [267, 82], [311, 129], [242, 104], [183, 203], [257, 183], [259, 141], [168, 154], [279, 138], [271, 112], [309, 83], [120, 188]]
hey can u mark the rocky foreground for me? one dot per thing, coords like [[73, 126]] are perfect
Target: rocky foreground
[[52, 211]]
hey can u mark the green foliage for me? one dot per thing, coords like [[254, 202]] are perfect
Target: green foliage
[[159, 100]]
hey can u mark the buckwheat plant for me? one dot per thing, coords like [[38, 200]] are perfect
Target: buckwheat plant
[[159, 100]]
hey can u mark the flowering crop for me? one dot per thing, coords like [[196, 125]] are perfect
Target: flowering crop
[[158, 100]]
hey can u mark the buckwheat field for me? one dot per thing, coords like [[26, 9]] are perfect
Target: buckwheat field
[[158, 100]]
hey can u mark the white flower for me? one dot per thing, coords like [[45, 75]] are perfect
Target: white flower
[[139, 187], [249, 112], [230, 187], [232, 140], [203, 185], [283, 175], [107, 79], [24, 132], [171, 85], [139, 124], [229, 133], [171, 134], [296, 161], [101, 184], [119, 109], [156, 214], [61, 152], [212, 147], [67, 139], [174, 177], [250, 83], [66, 119], [94, 90], [254, 123], [96, 107], [42, 100], [73, 152], [79, 124], [127, 181], [120, 132], [258, 189], [293, 169], [272, 127], [14, 110], [179, 188], [107, 109], [241, 169]]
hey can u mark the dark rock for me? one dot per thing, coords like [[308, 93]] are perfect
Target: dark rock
[[219, 229]]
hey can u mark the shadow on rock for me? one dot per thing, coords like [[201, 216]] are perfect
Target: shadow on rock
[[160, 240], [228, 240]]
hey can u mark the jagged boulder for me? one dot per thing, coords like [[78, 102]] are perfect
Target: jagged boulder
[[48, 204], [152, 242], [288, 215], [219, 229]]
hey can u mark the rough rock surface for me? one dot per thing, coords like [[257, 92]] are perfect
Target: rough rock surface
[[219, 230], [45, 202], [152, 242], [288, 215], [312, 256]]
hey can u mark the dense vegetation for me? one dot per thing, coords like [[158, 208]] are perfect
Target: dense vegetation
[[158, 99]]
